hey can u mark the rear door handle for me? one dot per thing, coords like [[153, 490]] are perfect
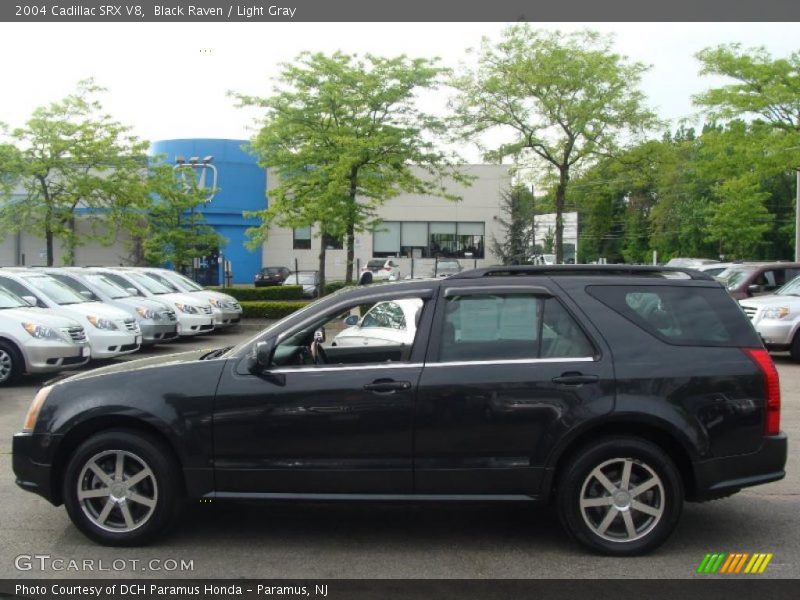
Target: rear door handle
[[387, 386], [575, 379], [327, 409]]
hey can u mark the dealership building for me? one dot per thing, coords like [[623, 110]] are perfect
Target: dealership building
[[414, 228]]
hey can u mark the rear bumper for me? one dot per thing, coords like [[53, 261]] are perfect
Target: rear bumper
[[721, 476], [32, 476]]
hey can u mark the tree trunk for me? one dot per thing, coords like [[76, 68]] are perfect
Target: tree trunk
[[351, 226], [48, 236], [561, 195]]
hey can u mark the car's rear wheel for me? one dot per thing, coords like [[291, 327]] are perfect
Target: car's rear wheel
[[11, 363], [122, 488], [620, 495]]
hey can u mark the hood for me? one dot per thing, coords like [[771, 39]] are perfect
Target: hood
[[771, 300], [212, 294], [135, 302], [193, 299], [99, 309], [40, 316], [140, 363]]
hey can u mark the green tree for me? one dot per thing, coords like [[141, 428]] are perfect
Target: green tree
[[563, 98], [175, 232], [516, 243], [740, 219], [343, 135], [71, 157]]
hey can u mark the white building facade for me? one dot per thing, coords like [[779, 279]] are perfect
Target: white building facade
[[414, 230]]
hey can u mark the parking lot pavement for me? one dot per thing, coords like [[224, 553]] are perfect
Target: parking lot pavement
[[394, 540]]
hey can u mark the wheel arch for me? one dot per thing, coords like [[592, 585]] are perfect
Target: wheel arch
[[84, 430], [16, 347], [658, 433]]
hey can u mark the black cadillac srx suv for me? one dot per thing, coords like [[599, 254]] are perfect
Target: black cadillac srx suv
[[614, 392]]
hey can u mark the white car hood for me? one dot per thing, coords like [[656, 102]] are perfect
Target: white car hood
[[98, 309], [193, 299], [770, 300], [40, 316], [206, 294], [136, 301]]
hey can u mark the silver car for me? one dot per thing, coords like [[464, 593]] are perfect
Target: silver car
[[158, 324], [35, 340], [776, 318]]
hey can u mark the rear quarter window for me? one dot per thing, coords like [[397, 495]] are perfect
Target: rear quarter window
[[681, 315]]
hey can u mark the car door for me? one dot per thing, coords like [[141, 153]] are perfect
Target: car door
[[509, 369], [342, 425]]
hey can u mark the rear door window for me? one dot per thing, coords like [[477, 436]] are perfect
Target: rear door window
[[689, 316]]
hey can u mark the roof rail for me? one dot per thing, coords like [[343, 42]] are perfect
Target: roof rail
[[592, 270]]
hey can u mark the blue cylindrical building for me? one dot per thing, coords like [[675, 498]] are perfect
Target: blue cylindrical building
[[241, 186]]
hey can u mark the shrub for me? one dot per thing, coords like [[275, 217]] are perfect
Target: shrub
[[335, 286], [275, 309], [276, 292]]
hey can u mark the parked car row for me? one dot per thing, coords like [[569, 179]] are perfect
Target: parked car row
[[57, 318]]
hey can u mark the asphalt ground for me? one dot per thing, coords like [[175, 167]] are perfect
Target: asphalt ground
[[317, 540]]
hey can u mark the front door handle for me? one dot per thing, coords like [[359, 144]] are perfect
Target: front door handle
[[387, 386], [573, 378], [327, 409]]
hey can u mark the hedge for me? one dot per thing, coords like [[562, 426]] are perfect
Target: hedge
[[276, 309], [274, 292], [335, 286]]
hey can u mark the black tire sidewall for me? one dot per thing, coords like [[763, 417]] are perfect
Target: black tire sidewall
[[585, 460], [167, 474], [17, 362], [794, 348]]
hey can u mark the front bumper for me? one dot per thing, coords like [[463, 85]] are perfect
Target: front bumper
[[108, 344], [194, 324], [158, 332], [46, 357], [720, 476], [32, 475], [224, 317], [775, 334]]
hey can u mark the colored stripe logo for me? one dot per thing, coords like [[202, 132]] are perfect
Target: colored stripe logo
[[734, 563]]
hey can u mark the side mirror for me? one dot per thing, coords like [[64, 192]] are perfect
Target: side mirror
[[319, 335], [31, 300], [88, 295], [261, 357], [132, 291], [755, 288], [351, 320]]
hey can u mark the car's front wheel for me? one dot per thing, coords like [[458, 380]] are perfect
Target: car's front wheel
[[620, 495], [122, 488], [11, 363]]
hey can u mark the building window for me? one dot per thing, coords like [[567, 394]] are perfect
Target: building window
[[424, 239], [302, 238]]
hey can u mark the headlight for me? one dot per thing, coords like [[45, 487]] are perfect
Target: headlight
[[147, 313], [776, 312], [40, 332], [219, 303], [187, 308], [36, 406], [101, 323]]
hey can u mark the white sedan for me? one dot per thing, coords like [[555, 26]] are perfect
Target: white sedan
[[387, 323]]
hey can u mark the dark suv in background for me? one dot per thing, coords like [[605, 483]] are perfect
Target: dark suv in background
[[614, 392]]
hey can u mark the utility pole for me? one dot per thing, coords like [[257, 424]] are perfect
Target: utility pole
[[797, 220], [533, 224]]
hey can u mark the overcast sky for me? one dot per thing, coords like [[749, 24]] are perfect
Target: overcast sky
[[170, 80]]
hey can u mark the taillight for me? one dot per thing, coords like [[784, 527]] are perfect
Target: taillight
[[772, 389]]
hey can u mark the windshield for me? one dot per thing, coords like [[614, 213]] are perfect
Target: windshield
[[55, 290], [162, 280], [10, 300], [148, 283], [108, 287], [790, 289], [736, 276], [187, 283]]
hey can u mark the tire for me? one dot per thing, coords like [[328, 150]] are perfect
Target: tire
[[596, 517], [794, 349], [152, 502], [12, 364]]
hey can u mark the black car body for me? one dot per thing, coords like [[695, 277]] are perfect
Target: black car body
[[270, 276], [522, 384]]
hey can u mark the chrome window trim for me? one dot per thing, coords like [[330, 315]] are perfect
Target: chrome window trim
[[513, 361], [400, 365]]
